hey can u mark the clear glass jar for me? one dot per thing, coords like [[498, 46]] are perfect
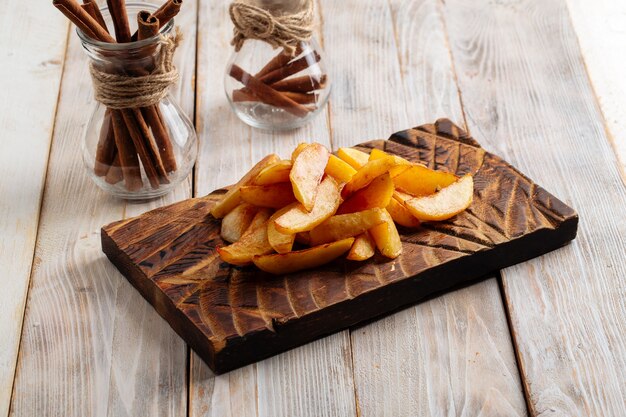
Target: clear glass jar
[[139, 153], [269, 89]]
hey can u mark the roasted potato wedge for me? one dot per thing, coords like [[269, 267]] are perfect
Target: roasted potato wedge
[[444, 204], [253, 242], [346, 225], [281, 242], [273, 174], [369, 171], [352, 156], [233, 197], [235, 223], [273, 195], [286, 263], [297, 219], [401, 214], [386, 237], [339, 169], [420, 181], [376, 194], [363, 248], [306, 173], [297, 151], [395, 171]]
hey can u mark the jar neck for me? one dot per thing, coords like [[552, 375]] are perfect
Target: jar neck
[[281, 7]]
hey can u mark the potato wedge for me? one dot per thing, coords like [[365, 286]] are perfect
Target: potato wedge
[[286, 263], [298, 219], [444, 204], [235, 223], [346, 225], [339, 169], [376, 194], [262, 215], [297, 151], [273, 174], [253, 242], [306, 173], [352, 156], [395, 171], [281, 242], [386, 237], [233, 197], [273, 195], [363, 248], [421, 181], [401, 215], [369, 171]]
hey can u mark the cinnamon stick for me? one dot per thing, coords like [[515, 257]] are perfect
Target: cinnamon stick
[[148, 26], [278, 61], [91, 7], [115, 171], [245, 94], [117, 8], [303, 84], [136, 134], [164, 14], [105, 150], [127, 154], [291, 68], [266, 93], [72, 10]]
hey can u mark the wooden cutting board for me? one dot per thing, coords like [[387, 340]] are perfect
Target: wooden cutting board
[[233, 316]]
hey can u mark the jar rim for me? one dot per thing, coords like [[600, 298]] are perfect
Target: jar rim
[[127, 45]]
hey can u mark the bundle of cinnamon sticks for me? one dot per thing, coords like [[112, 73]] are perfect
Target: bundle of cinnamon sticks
[[272, 85], [128, 135]]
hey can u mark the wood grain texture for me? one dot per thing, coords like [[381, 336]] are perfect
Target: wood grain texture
[[90, 345], [600, 27], [525, 89], [436, 358], [233, 316], [297, 382], [31, 75]]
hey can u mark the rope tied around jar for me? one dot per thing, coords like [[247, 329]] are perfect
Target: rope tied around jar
[[286, 30], [117, 91]]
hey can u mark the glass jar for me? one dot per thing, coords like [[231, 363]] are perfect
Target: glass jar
[[271, 89], [136, 153]]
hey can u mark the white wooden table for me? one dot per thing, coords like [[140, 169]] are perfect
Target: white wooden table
[[539, 82]]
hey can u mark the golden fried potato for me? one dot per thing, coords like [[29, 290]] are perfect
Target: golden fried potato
[[273, 195], [306, 173], [339, 169], [421, 181], [386, 237], [275, 173], [363, 248], [237, 221], [346, 225], [444, 204], [281, 242], [401, 214], [376, 194], [297, 219], [352, 156], [369, 171], [253, 242], [286, 263], [233, 197]]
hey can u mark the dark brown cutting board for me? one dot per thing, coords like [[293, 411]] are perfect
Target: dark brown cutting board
[[234, 316]]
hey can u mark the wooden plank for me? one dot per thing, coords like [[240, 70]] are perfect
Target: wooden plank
[[453, 353], [527, 95], [31, 76], [90, 344], [297, 382], [599, 27]]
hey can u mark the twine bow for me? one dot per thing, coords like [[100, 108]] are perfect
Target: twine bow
[[286, 31], [126, 91]]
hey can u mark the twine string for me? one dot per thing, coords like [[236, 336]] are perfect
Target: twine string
[[286, 31], [118, 91]]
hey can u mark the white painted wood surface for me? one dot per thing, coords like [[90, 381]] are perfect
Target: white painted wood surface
[[91, 345], [527, 97], [447, 356], [30, 76], [601, 31]]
